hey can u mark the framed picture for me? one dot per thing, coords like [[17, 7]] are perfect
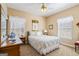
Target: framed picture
[[51, 26], [35, 25]]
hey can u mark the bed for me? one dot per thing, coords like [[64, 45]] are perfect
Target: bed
[[43, 43]]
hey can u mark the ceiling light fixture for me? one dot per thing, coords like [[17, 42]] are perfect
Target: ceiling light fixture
[[43, 7]]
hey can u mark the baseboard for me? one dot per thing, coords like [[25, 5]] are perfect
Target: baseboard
[[65, 44]]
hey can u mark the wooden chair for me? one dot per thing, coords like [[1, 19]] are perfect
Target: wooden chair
[[76, 45]]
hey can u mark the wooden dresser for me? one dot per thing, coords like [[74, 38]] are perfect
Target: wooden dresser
[[11, 49], [23, 39]]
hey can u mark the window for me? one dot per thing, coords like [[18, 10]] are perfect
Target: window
[[65, 27], [17, 25], [3, 28], [35, 25]]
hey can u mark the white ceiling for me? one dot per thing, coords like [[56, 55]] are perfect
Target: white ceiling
[[35, 8]]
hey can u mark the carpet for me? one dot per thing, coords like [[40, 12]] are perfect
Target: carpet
[[27, 50]]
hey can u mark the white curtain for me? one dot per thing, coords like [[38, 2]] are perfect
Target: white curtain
[[65, 27], [17, 25]]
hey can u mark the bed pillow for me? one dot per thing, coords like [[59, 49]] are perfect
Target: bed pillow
[[33, 33], [39, 33]]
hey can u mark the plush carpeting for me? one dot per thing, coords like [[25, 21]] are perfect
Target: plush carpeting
[[27, 50]]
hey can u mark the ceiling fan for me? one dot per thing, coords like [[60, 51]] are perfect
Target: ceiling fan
[[43, 7]]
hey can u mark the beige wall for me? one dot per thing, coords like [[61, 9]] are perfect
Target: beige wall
[[28, 17], [44, 22], [69, 12]]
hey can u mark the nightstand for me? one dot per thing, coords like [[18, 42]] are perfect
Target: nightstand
[[23, 39], [45, 33]]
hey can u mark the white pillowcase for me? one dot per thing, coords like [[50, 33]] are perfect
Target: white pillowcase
[[33, 33], [39, 33], [36, 33]]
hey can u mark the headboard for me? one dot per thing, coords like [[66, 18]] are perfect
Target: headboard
[[28, 33]]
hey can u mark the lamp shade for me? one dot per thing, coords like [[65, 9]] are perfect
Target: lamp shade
[[45, 30]]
